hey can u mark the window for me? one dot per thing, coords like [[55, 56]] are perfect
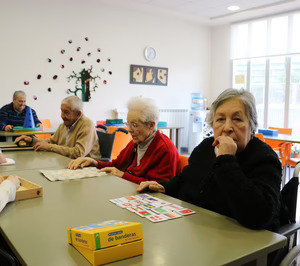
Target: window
[[294, 105], [266, 61], [240, 74], [277, 85], [257, 86]]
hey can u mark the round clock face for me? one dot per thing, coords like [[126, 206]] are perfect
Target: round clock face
[[150, 53]]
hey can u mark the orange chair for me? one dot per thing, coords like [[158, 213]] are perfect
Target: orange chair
[[184, 161], [121, 140], [277, 145], [261, 137], [287, 161], [46, 124]]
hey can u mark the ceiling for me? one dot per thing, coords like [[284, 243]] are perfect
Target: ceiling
[[214, 12]]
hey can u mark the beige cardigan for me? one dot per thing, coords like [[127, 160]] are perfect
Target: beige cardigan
[[83, 140]]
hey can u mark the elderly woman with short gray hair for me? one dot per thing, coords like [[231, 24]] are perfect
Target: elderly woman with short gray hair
[[149, 156], [232, 173]]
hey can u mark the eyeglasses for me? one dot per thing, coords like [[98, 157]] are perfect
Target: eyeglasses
[[133, 125]]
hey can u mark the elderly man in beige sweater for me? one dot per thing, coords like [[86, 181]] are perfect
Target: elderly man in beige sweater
[[76, 137]]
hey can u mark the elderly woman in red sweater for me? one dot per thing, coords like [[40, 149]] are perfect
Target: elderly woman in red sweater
[[149, 156]]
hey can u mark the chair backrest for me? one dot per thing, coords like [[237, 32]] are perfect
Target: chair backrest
[[288, 225], [46, 123], [101, 128], [260, 136], [288, 201], [121, 140], [106, 142], [286, 131], [184, 161]]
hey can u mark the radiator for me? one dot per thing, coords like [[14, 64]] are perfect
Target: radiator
[[176, 118]]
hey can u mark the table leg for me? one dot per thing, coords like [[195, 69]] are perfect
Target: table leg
[[177, 137], [171, 134]]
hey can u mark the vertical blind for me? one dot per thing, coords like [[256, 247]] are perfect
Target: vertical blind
[[278, 35]]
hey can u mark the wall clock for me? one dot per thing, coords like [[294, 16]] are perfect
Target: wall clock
[[150, 53]]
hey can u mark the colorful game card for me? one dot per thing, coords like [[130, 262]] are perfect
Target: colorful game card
[[135, 209], [154, 209], [125, 205], [174, 207], [145, 213], [185, 212], [162, 203], [149, 206], [117, 201], [172, 215], [160, 210], [143, 196], [157, 218]]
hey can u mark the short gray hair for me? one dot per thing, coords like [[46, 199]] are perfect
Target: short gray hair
[[246, 98], [75, 102], [147, 107], [17, 93]]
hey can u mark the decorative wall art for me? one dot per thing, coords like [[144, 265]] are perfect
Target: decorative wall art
[[148, 75], [84, 77], [75, 57]]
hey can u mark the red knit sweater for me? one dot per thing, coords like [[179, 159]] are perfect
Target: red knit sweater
[[160, 162]]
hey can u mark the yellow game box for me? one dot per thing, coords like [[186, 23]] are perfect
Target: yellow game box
[[105, 234], [114, 253]]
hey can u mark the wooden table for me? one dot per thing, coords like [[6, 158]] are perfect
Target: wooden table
[[37, 228], [9, 135]]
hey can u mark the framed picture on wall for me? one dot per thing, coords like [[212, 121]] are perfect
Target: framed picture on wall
[[148, 75], [162, 76], [136, 74]]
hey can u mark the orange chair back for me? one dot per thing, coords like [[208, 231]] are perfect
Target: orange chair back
[[120, 143], [46, 124], [285, 151], [286, 131], [184, 161], [261, 137]]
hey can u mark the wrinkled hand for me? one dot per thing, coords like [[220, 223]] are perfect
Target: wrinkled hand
[[152, 185], [23, 138], [226, 145], [82, 162], [15, 180], [112, 171], [9, 128], [41, 145]]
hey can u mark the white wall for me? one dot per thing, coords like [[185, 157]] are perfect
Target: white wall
[[33, 30], [220, 61]]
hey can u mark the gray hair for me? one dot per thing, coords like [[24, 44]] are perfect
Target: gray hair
[[75, 102], [246, 98], [147, 107], [17, 93]]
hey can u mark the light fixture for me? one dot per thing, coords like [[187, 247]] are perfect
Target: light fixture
[[233, 8]]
